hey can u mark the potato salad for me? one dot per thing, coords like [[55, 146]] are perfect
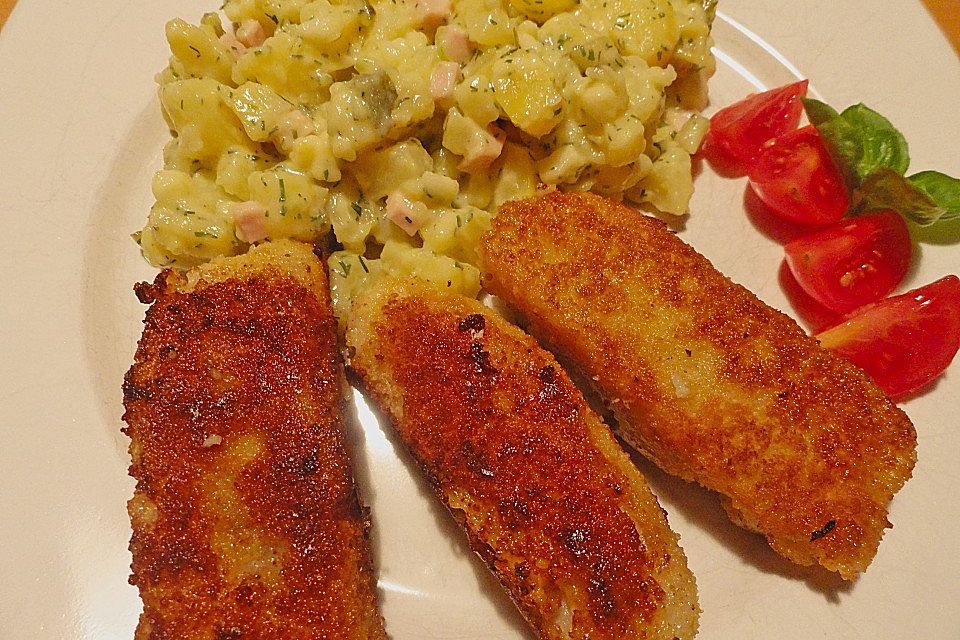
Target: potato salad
[[400, 126]]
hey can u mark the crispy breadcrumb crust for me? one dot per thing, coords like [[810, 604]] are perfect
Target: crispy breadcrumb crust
[[547, 497], [709, 382], [246, 519]]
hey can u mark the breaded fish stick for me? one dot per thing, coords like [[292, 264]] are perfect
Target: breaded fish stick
[[246, 520], [709, 382], [546, 495]]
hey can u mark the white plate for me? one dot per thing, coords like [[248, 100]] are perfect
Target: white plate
[[80, 137]]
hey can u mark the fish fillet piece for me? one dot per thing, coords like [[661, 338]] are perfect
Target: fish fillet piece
[[246, 519], [547, 497], [706, 380]]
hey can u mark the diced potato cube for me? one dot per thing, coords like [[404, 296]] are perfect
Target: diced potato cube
[[667, 186], [198, 52], [206, 128], [379, 171], [294, 203], [235, 166], [456, 232], [314, 155], [479, 146], [645, 28], [623, 140], [486, 22], [525, 88], [189, 223], [259, 109], [330, 28], [517, 176]]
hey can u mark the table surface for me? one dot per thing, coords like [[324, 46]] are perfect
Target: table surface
[[945, 12], [947, 15], [5, 7]]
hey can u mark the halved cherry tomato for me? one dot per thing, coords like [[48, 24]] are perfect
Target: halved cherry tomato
[[852, 262], [742, 129], [905, 341], [798, 180]]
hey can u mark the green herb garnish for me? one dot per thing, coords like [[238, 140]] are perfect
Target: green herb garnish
[[873, 157]]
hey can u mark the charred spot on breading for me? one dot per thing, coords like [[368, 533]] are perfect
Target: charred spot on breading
[[548, 374], [827, 528], [309, 465], [147, 293], [481, 358], [473, 322], [232, 633]]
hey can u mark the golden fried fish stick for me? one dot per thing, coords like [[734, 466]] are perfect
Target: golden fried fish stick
[[709, 382], [546, 495], [246, 520]]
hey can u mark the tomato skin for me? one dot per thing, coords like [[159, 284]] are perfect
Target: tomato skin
[[853, 262], [798, 180], [905, 341], [741, 129]]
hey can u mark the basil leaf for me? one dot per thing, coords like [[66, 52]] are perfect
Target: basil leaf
[[887, 189], [845, 145], [843, 141], [859, 139], [818, 112], [873, 158], [941, 189], [883, 145]]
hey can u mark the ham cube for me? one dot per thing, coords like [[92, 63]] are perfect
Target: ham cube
[[249, 219], [443, 81]]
